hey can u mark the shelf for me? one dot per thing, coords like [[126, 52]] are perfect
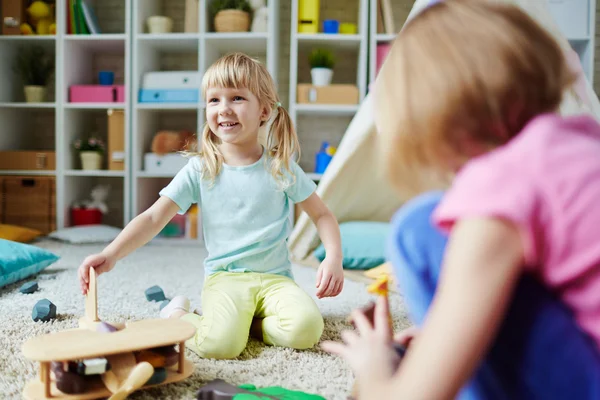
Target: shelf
[[144, 174], [102, 36], [94, 106], [327, 109], [331, 41], [98, 43], [27, 38], [314, 176], [26, 172], [173, 42], [99, 173], [251, 43], [169, 106], [385, 37], [27, 105]]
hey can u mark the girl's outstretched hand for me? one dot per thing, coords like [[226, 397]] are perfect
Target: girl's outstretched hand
[[330, 278], [368, 350], [100, 262]]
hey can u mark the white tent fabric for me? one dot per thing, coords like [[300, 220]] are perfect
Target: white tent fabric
[[353, 185]]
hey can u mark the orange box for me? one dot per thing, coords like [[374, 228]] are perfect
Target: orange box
[[116, 140], [28, 160], [331, 94]]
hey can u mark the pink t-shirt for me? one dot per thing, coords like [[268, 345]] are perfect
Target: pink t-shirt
[[546, 180]]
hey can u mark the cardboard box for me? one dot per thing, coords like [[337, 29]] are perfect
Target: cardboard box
[[29, 201], [28, 160], [331, 94], [13, 15], [116, 140]]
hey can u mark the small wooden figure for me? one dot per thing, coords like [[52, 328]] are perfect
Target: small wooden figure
[[118, 346]]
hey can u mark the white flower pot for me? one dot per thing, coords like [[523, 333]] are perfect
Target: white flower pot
[[91, 160], [35, 94], [159, 24], [321, 76]]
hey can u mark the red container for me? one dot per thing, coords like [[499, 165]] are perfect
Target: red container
[[86, 216]]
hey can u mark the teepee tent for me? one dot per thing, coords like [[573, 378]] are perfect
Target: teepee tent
[[353, 185]]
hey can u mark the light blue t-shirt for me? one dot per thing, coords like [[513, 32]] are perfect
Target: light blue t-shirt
[[245, 214]]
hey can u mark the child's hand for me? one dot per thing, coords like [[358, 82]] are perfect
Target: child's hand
[[368, 350], [406, 336], [100, 262], [330, 278]]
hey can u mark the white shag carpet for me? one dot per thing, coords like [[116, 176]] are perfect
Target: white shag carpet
[[177, 269]]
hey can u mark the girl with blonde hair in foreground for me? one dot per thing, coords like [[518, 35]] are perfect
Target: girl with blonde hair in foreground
[[500, 273], [245, 191]]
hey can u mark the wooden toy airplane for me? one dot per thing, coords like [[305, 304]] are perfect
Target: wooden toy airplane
[[87, 347]]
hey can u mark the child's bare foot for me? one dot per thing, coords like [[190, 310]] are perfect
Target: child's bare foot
[[180, 305]]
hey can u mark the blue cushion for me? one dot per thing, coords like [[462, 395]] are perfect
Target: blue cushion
[[363, 244], [19, 261]]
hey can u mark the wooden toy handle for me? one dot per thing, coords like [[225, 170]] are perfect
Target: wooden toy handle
[[91, 299]]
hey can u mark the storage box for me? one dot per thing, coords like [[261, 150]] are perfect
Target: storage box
[[12, 14], [97, 94], [169, 96], [331, 94], [29, 201], [164, 164], [28, 160], [172, 80], [116, 140]]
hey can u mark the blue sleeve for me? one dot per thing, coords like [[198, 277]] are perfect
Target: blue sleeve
[[184, 189], [302, 186]]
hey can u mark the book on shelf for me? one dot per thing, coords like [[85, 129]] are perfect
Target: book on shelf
[[81, 18]]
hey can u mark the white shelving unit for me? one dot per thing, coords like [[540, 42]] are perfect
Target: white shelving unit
[[55, 124], [575, 18], [323, 122], [81, 58], [181, 51], [577, 21]]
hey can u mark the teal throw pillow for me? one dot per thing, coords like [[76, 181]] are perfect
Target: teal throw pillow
[[363, 244], [19, 261]]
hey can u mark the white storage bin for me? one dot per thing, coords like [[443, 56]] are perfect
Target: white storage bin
[[172, 80], [572, 17], [166, 164]]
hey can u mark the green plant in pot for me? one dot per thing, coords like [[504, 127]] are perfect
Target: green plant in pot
[[90, 152], [321, 66], [35, 68], [231, 15]]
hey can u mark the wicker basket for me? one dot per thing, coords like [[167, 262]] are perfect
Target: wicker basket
[[232, 21]]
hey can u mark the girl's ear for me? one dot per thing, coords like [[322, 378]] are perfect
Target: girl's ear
[[265, 113]]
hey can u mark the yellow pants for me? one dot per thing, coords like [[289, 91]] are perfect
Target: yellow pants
[[230, 300]]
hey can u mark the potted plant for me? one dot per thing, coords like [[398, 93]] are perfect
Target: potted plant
[[231, 15], [90, 152], [35, 67], [321, 67]]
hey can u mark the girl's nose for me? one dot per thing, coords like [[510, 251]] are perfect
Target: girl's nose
[[224, 108]]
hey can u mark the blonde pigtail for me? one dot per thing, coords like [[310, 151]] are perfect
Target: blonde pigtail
[[283, 145]]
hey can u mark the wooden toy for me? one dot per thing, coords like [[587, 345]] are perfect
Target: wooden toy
[[94, 339]]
